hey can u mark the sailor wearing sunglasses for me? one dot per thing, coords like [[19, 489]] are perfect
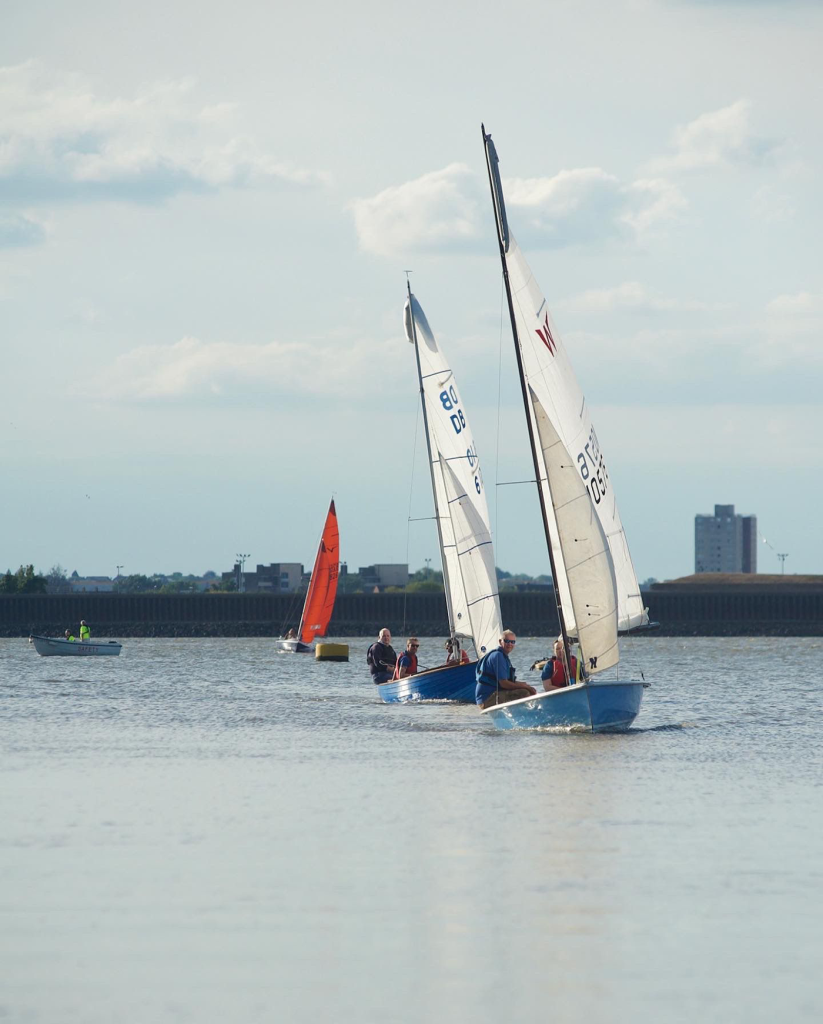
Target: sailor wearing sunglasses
[[496, 678]]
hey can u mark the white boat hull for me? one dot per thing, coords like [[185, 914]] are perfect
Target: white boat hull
[[49, 646], [292, 647]]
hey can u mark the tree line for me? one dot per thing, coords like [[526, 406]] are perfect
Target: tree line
[[56, 581], [24, 581]]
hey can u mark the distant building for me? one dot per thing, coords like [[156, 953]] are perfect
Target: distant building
[[277, 578], [725, 542], [385, 574], [90, 584]]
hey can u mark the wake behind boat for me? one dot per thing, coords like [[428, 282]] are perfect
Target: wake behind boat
[[48, 646], [319, 603], [463, 532], [596, 588]]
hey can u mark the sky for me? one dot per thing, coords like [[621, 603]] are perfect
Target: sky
[[207, 211]]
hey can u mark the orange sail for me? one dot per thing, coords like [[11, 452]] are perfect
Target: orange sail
[[323, 584]]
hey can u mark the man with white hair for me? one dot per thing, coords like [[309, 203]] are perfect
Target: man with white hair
[[381, 657], [496, 678]]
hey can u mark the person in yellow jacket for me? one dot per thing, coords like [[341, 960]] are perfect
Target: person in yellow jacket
[[69, 636], [85, 632]]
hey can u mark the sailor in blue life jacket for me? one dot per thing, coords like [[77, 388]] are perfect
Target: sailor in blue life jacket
[[407, 662], [85, 632], [381, 657], [496, 678]]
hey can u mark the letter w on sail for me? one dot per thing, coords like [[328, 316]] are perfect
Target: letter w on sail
[[545, 335]]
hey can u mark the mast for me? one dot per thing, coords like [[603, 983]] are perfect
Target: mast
[[502, 240], [446, 586]]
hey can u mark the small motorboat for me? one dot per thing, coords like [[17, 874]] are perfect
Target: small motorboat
[[48, 646]]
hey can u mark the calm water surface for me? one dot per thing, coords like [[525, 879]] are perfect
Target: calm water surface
[[203, 830]]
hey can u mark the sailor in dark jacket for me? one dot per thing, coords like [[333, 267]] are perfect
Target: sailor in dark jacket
[[381, 657]]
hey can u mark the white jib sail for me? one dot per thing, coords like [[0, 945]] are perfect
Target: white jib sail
[[550, 376], [450, 438], [587, 562], [475, 556]]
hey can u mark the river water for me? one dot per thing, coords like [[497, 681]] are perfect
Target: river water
[[205, 831]]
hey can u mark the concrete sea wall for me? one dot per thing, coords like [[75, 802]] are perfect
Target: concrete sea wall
[[681, 611]]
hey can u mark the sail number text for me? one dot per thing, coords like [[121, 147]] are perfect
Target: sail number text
[[450, 401], [593, 469]]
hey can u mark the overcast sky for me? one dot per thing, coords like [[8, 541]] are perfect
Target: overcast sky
[[207, 209]]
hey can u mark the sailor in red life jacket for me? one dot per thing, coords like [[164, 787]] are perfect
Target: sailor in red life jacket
[[407, 662], [554, 674], [455, 654]]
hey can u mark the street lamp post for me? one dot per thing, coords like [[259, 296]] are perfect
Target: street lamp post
[[241, 578], [117, 579]]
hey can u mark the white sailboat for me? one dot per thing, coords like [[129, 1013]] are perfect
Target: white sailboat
[[462, 516], [321, 593], [595, 583]]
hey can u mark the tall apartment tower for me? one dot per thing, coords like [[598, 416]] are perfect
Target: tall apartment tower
[[725, 542]]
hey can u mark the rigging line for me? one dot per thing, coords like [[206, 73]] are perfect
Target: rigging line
[[422, 519], [497, 439], [411, 495], [513, 483]]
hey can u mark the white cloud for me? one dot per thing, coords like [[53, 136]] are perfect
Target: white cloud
[[720, 434], [60, 140], [793, 333], [440, 210], [17, 230], [652, 202], [720, 138], [449, 209], [193, 370], [631, 295], [571, 207], [803, 302], [773, 207]]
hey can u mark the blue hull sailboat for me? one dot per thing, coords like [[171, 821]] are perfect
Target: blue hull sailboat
[[593, 706], [452, 682], [463, 531], [596, 589]]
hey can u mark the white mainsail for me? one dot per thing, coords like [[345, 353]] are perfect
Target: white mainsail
[[549, 375], [588, 568], [475, 558], [451, 446]]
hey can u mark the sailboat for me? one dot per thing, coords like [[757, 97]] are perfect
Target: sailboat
[[319, 603], [595, 584], [463, 531]]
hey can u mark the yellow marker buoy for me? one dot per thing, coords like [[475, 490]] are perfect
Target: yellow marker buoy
[[331, 652]]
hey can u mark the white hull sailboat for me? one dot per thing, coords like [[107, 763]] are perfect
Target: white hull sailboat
[[322, 591], [595, 584]]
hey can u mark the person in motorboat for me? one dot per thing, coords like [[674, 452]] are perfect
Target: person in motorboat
[[555, 674], [496, 677], [381, 657], [455, 654], [85, 632], [407, 662], [69, 636]]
